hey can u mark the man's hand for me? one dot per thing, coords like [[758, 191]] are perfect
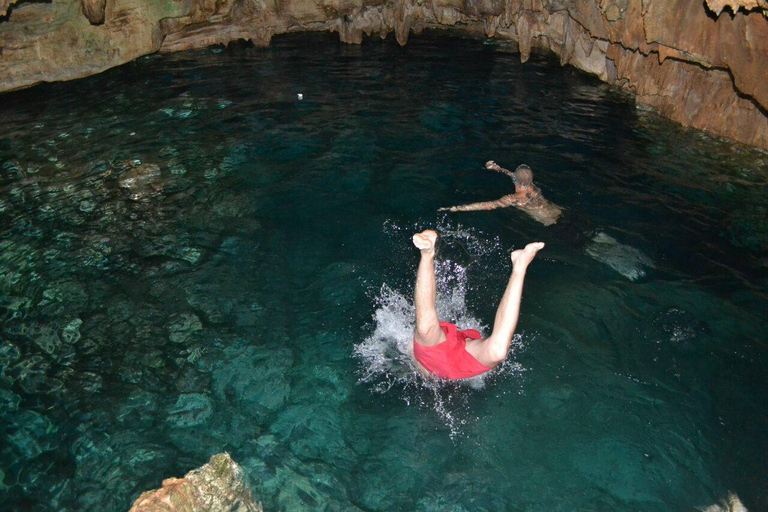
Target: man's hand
[[448, 209]]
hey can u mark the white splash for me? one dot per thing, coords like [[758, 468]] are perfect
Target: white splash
[[386, 355]]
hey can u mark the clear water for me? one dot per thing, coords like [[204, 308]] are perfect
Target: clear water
[[254, 296]]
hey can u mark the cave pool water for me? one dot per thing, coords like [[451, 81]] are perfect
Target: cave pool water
[[193, 260]]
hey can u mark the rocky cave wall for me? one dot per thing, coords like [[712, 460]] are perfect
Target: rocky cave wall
[[704, 65]]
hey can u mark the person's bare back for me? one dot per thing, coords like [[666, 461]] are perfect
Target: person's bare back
[[527, 197]]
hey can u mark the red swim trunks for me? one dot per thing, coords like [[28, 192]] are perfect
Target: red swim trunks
[[450, 359]]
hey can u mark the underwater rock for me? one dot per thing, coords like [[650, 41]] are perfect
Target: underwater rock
[[145, 369], [107, 465], [9, 401], [88, 382], [314, 433], [183, 326], [210, 303], [190, 410], [286, 483], [16, 308], [322, 380], [30, 374], [30, 433], [64, 297], [218, 486], [298, 492], [190, 380], [9, 354], [139, 410], [732, 504], [48, 487], [71, 332], [44, 337], [248, 315], [624, 259], [255, 377], [140, 180]]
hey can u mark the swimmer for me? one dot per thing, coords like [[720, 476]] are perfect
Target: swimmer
[[527, 197], [439, 348]]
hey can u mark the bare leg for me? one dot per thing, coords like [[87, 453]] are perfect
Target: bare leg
[[428, 331], [493, 350]]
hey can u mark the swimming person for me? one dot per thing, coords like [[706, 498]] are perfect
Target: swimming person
[[527, 197], [440, 348]]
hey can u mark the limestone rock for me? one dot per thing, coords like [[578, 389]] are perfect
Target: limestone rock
[[5, 5], [94, 10], [703, 71], [218, 486], [717, 6], [50, 42], [737, 43]]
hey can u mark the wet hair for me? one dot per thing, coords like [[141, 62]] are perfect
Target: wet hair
[[524, 176]]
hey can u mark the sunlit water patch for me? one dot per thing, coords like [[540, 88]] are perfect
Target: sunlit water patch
[[193, 261]]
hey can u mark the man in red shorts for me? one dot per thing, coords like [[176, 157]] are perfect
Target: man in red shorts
[[441, 348]]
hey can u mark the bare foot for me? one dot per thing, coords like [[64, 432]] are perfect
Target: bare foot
[[522, 257], [425, 241]]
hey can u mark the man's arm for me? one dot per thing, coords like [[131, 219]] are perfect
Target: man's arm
[[486, 205], [493, 166]]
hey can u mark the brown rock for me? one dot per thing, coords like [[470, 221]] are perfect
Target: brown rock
[[94, 10], [51, 42], [737, 43], [689, 94], [717, 6], [5, 5], [702, 70], [218, 486]]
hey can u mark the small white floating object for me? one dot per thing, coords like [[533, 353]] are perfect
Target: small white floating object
[[300, 96]]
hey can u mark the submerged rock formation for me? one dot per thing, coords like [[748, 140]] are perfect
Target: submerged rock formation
[[703, 65], [732, 504], [218, 486]]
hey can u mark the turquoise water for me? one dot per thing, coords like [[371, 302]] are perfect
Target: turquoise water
[[195, 261]]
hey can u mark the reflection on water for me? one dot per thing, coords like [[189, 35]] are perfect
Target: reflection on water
[[193, 261]]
